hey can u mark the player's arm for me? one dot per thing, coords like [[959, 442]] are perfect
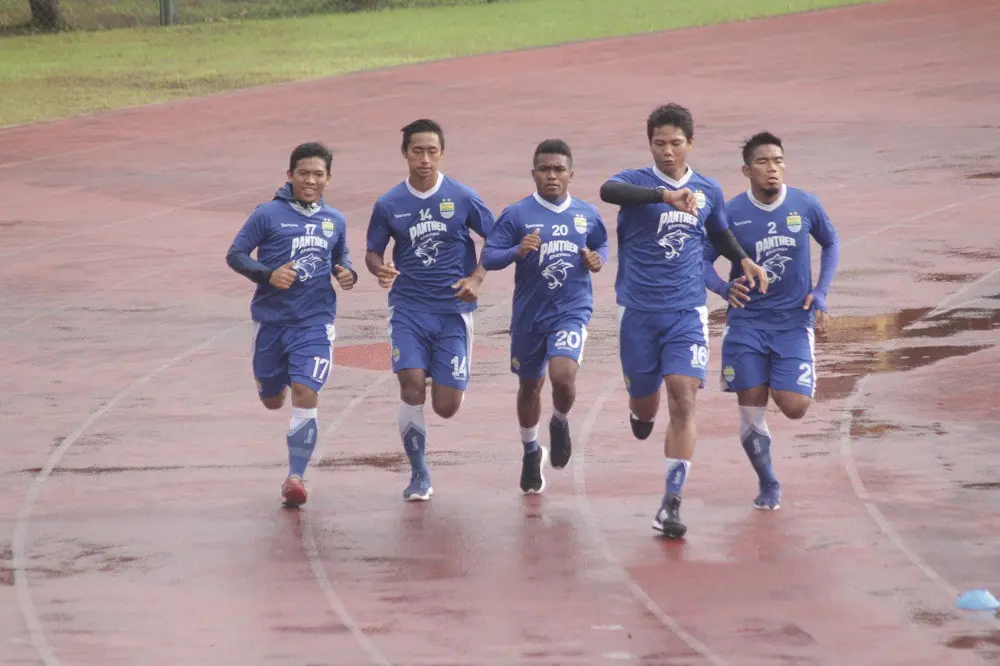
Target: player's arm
[[249, 237], [378, 236], [620, 191], [713, 281], [595, 254], [722, 237], [481, 220], [826, 235], [343, 270], [502, 246]]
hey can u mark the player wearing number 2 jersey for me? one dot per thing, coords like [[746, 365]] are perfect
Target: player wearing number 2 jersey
[[667, 211], [768, 342], [301, 243], [434, 280], [555, 241]]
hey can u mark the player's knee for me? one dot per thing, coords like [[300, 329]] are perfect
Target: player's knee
[[304, 397], [273, 402], [645, 407], [795, 410], [530, 389], [681, 403], [412, 388], [445, 406]]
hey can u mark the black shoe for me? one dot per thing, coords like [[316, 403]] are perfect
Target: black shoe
[[641, 429], [562, 447], [668, 518], [532, 476]]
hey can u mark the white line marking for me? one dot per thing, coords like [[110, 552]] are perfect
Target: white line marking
[[20, 537]]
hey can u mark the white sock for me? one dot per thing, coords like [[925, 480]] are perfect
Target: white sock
[[299, 416], [529, 434], [410, 419], [752, 418], [676, 473], [559, 416]]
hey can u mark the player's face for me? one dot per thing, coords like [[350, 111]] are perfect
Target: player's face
[[423, 154], [552, 174], [669, 147], [767, 169], [309, 179]]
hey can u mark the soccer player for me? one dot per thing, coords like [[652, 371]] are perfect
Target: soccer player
[[666, 212], [556, 242], [768, 342], [433, 281], [301, 242]]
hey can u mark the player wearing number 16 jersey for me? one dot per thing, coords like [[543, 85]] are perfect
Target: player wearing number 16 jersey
[[768, 342], [556, 241], [301, 244], [434, 280]]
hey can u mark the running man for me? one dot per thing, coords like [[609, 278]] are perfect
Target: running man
[[666, 212], [768, 342], [433, 281], [301, 243], [556, 241]]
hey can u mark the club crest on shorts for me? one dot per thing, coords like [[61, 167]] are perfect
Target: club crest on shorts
[[729, 373], [699, 198], [328, 228], [580, 223], [794, 222], [447, 208], [515, 362]]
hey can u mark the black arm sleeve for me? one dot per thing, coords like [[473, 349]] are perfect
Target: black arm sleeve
[[248, 267], [727, 245], [623, 194]]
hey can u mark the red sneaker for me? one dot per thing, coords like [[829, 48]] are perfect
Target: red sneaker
[[294, 491]]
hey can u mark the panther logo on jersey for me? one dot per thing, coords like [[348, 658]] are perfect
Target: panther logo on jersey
[[556, 273], [774, 266], [673, 243], [427, 251], [306, 266]]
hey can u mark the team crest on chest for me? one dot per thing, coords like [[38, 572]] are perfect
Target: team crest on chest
[[699, 198], [447, 209], [580, 223], [794, 222], [328, 228]]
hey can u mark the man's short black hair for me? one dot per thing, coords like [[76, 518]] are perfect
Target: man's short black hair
[[553, 147], [670, 114], [757, 140], [420, 126], [311, 149]]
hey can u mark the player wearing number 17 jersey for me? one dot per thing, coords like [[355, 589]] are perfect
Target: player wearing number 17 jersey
[[556, 242], [434, 280], [768, 341], [667, 211]]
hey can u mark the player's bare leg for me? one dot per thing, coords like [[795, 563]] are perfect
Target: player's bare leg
[[446, 400], [303, 431], [529, 413], [642, 413], [413, 431], [275, 402], [562, 374], [678, 448]]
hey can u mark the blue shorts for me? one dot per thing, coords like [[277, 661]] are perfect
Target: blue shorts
[[439, 344], [782, 360], [530, 352], [652, 345], [286, 354]]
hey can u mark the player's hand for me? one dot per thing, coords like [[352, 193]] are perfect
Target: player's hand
[[822, 320], [529, 243], [683, 200], [344, 277], [468, 288], [284, 277], [591, 260], [751, 270], [739, 293], [386, 275]]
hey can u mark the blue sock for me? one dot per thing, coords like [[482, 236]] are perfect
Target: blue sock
[[413, 432], [529, 437], [676, 474], [303, 430], [756, 441]]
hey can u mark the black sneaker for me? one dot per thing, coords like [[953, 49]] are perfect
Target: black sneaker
[[562, 447], [532, 476], [641, 429], [668, 518]]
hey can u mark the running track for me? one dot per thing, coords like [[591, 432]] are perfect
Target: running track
[[139, 521]]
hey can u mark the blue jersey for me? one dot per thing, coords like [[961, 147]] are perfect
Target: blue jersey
[[660, 248], [776, 236], [315, 238], [551, 282], [432, 247]]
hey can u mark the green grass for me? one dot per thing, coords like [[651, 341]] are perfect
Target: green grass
[[52, 76]]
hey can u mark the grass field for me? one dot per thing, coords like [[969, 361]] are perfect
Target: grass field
[[53, 76]]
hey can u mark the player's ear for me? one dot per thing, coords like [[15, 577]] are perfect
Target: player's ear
[[288, 174], [746, 171]]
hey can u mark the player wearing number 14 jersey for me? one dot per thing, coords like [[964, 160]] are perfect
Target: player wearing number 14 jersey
[[556, 242]]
